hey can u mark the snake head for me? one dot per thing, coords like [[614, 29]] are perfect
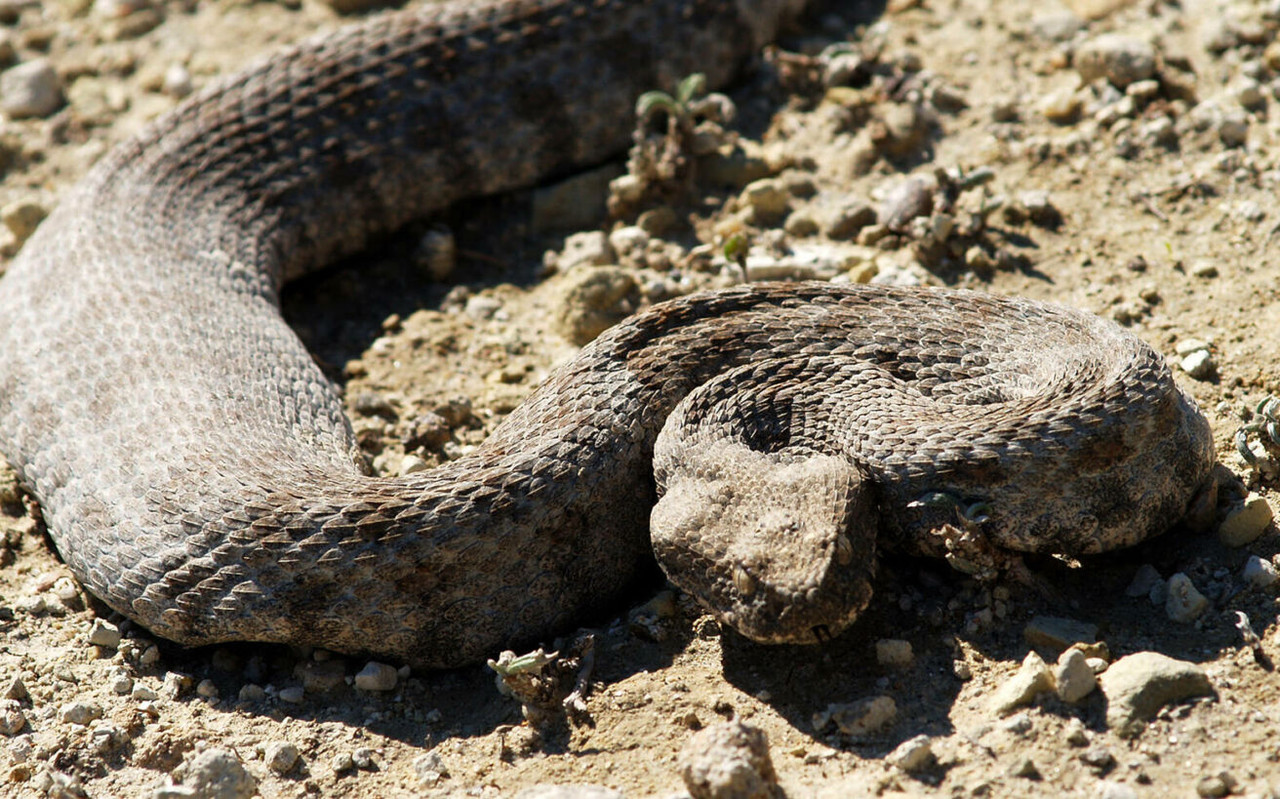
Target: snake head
[[778, 546]]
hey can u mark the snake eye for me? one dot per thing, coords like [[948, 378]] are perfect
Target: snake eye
[[743, 581]]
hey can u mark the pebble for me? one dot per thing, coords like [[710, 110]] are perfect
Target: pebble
[[729, 759], [913, 755], [1056, 633], [1056, 26], [594, 300], [848, 219], [217, 772], [577, 202], [1189, 345], [1115, 790], [1033, 678], [1120, 59], [142, 693], [1184, 603], [860, 718], [207, 689], [906, 201], [1061, 106], [1143, 581], [252, 692], [768, 200], [1026, 768], [1077, 735], [31, 89], [1040, 208], [582, 791], [894, 653], [280, 756], [1098, 758], [1244, 523], [376, 676], [1259, 573], [1073, 678], [1233, 127], [430, 769], [1138, 685], [1216, 785], [14, 688], [1205, 269], [589, 248], [22, 217], [436, 253], [294, 694], [104, 633], [79, 712], [177, 81], [12, 719], [1199, 365]]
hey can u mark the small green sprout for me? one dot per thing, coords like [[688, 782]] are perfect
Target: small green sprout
[[1265, 422]]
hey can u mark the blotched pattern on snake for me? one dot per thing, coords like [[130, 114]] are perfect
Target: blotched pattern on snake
[[196, 471]]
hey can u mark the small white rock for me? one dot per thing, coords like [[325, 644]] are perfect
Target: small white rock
[[376, 676], [280, 756], [104, 633], [914, 754], [1199, 364], [1144, 579], [31, 89], [1189, 345], [1184, 603], [142, 693], [1032, 679], [1073, 678], [79, 712], [207, 689], [1258, 572], [1246, 522], [177, 81]]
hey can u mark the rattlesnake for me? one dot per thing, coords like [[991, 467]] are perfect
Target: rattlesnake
[[197, 474]]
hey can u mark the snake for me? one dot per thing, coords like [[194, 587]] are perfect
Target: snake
[[197, 474]]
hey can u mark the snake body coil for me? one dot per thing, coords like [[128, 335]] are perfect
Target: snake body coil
[[196, 470]]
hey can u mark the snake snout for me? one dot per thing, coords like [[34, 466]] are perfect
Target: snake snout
[[783, 552]]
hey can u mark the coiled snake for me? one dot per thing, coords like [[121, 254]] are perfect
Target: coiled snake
[[196, 471]]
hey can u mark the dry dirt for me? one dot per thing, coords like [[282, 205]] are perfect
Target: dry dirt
[[1161, 220]]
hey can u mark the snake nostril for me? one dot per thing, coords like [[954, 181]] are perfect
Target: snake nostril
[[821, 633]]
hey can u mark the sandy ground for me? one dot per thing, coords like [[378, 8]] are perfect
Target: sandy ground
[[1150, 206]]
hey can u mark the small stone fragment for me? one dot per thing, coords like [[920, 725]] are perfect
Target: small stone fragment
[[218, 773], [1184, 603], [729, 760], [1076, 733], [1056, 633], [12, 719], [342, 763], [104, 633], [1115, 790], [768, 200], [861, 718], [1138, 685], [590, 248], [31, 89], [22, 217], [1216, 785], [430, 769], [280, 756], [906, 201], [847, 220], [376, 676], [1098, 758], [1199, 365], [1032, 679], [1061, 106], [894, 653], [913, 755], [1246, 522], [1026, 768], [1120, 59], [594, 300], [570, 792], [294, 694], [13, 688], [79, 712], [1143, 581], [1073, 678], [1259, 573], [1233, 127]]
